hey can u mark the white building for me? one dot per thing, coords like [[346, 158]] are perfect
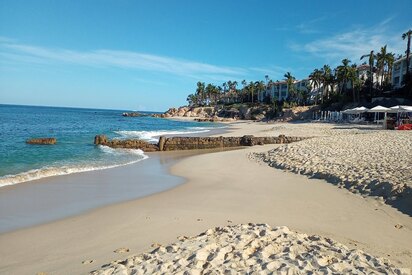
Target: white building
[[277, 90], [399, 71]]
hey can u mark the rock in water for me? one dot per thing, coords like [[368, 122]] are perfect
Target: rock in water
[[42, 141], [100, 139], [133, 114]]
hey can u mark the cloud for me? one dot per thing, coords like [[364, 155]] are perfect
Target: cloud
[[309, 27], [352, 44], [13, 51]]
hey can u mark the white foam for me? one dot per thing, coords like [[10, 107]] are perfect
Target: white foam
[[151, 135], [51, 171]]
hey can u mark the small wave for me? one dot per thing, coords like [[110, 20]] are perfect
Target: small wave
[[45, 172], [151, 135]]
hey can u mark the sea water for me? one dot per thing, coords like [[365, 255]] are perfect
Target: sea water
[[74, 129]]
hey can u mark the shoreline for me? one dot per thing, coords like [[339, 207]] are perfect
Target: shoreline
[[220, 188]]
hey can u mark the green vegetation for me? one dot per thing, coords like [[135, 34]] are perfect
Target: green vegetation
[[346, 83]]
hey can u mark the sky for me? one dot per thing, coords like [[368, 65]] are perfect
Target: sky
[[149, 55]]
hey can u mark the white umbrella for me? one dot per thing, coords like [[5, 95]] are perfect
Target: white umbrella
[[361, 109], [350, 112], [379, 109], [401, 109]]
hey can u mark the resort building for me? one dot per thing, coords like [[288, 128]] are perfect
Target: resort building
[[277, 90], [399, 71]]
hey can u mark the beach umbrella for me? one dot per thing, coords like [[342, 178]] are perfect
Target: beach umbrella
[[361, 109], [398, 109], [379, 109], [401, 109]]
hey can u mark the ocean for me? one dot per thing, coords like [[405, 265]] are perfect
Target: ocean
[[74, 129]]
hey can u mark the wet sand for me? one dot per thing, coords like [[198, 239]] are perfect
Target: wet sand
[[49, 199]]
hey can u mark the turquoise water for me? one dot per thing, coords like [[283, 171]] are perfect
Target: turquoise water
[[74, 129]]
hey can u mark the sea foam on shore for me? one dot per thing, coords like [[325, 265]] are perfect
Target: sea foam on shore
[[130, 156], [252, 248]]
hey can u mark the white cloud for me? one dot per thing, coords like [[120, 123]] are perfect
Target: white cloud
[[353, 44], [113, 58]]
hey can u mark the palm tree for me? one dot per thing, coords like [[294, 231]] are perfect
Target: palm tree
[[251, 89], [219, 93], [260, 86], [408, 48], [384, 63], [200, 93], [354, 80], [315, 77], [327, 79], [234, 90], [244, 90], [290, 80], [211, 92], [192, 99], [371, 58], [343, 74]]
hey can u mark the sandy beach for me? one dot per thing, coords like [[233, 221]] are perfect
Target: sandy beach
[[221, 189]]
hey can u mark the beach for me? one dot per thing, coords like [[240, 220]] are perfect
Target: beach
[[221, 189]]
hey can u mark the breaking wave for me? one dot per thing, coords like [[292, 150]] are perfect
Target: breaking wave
[[151, 135], [135, 155]]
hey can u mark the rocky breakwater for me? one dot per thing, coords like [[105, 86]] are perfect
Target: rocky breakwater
[[42, 141], [193, 143], [377, 163], [252, 249]]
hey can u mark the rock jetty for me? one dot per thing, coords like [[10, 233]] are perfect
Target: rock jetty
[[42, 141], [193, 143], [252, 249]]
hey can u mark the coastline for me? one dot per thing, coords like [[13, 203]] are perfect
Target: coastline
[[221, 188]]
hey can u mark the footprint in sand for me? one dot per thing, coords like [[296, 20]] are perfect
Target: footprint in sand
[[87, 261], [122, 250], [398, 226]]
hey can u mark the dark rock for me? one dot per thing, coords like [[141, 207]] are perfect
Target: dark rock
[[42, 141], [100, 139], [247, 140], [132, 114]]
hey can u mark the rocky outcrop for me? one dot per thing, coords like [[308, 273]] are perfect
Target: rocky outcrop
[[127, 143], [132, 114], [42, 141], [298, 113], [219, 113], [193, 143]]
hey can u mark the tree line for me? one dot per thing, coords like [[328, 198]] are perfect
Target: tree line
[[343, 83]]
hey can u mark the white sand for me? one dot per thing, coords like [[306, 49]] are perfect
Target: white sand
[[223, 188], [377, 163], [252, 248]]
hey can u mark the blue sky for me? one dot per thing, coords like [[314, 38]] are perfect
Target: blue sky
[[148, 55]]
